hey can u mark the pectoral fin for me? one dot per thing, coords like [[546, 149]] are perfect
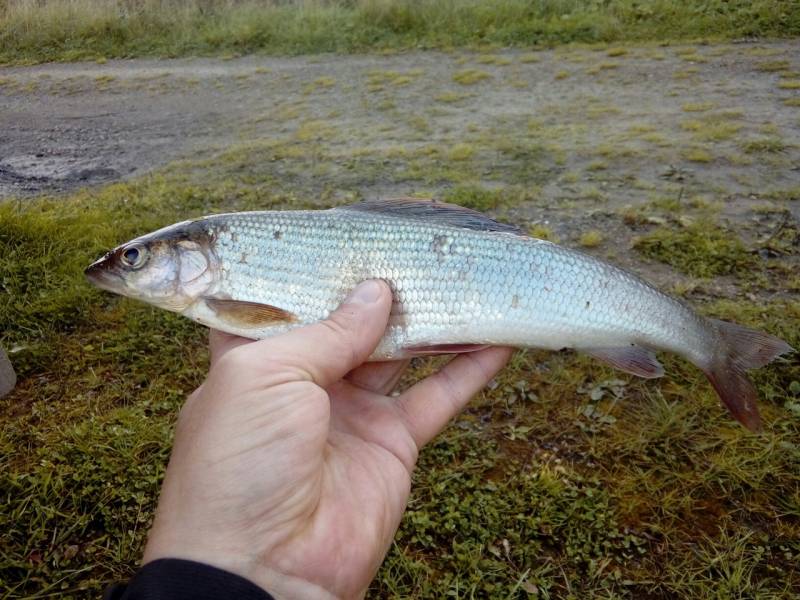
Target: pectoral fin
[[635, 360], [241, 313]]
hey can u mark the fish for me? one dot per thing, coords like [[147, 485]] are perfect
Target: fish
[[460, 281]]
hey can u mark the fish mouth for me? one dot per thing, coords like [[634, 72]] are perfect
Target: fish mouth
[[99, 274]]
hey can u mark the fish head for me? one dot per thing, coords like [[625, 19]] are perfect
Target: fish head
[[170, 268]]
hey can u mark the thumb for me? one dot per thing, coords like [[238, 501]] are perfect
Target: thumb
[[326, 351]]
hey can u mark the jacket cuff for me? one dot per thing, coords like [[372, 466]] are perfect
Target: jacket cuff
[[177, 579]]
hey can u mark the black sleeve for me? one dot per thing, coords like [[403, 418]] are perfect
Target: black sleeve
[[174, 579]]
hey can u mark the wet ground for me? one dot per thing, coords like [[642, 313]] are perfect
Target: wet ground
[[69, 125]]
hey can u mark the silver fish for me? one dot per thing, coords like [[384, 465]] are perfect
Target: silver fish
[[460, 281]]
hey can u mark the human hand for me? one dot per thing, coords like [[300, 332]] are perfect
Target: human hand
[[292, 466]]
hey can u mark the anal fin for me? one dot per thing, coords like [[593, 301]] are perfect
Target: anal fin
[[635, 360], [242, 313]]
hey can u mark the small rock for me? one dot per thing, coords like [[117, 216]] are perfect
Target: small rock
[[8, 379]]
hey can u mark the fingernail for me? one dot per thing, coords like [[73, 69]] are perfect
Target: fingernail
[[367, 292]]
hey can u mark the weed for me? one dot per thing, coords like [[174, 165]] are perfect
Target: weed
[[791, 84], [617, 51], [377, 79], [470, 76], [764, 145], [542, 232], [562, 74], [686, 73], [697, 106], [451, 97], [711, 130], [493, 59], [314, 130], [693, 57], [597, 165], [474, 197], [771, 66], [591, 239], [320, 83], [461, 152], [698, 154], [600, 67], [698, 250]]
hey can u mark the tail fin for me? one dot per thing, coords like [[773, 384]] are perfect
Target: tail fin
[[742, 349]]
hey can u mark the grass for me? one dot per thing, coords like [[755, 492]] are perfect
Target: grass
[[450, 97], [697, 106], [711, 131], [493, 59], [773, 66], [768, 145], [470, 76], [698, 250], [698, 154], [565, 477], [69, 30], [591, 238]]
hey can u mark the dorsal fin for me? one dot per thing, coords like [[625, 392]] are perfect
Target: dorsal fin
[[433, 211]]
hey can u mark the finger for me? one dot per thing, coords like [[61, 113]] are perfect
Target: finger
[[430, 404], [220, 342], [326, 351], [379, 377]]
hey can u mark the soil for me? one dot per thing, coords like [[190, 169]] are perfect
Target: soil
[[68, 125]]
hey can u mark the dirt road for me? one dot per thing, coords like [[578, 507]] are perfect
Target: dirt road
[[652, 112]]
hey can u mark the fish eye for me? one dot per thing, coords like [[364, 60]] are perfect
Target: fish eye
[[133, 256]]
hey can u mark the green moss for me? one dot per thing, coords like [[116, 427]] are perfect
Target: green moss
[[698, 250]]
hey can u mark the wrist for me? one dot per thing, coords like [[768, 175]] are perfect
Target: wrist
[[279, 585]]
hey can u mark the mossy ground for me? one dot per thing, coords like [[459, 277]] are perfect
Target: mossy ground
[[565, 478]]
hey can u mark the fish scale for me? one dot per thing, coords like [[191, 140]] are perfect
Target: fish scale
[[459, 281], [451, 285]]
